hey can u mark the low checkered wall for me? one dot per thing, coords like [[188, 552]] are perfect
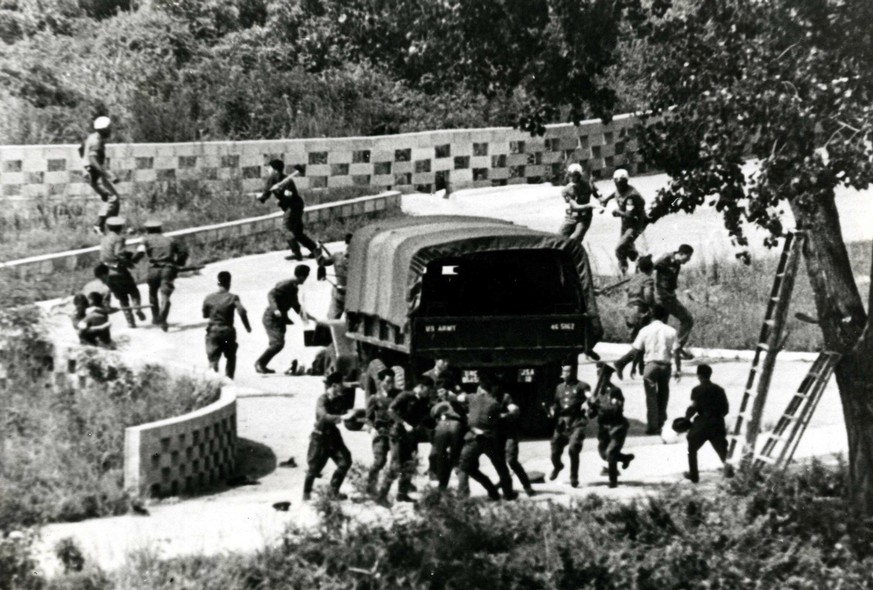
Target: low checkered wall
[[183, 454], [424, 161], [47, 264]]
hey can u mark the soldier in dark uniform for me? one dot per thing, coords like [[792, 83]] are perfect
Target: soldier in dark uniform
[[93, 151], [483, 437], [632, 210], [450, 416], [292, 205], [709, 406], [326, 442], [410, 412], [340, 263], [569, 410], [281, 298], [640, 302], [608, 407], [509, 431], [380, 422], [218, 308], [445, 374], [94, 327], [166, 256], [666, 281], [99, 284], [120, 261], [580, 209]]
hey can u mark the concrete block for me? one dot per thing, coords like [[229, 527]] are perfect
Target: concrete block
[[335, 181]]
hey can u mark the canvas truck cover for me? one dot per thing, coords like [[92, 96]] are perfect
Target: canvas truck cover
[[387, 260]]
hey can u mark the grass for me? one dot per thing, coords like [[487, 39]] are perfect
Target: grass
[[787, 530], [730, 302], [62, 448], [48, 225], [15, 291]]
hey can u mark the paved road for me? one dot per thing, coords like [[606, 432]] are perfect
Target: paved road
[[276, 418]]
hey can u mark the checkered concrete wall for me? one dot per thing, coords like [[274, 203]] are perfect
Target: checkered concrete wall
[[423, 161], [183, 454], [47, 264]]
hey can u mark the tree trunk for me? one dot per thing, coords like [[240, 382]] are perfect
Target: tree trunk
[[843, 321]]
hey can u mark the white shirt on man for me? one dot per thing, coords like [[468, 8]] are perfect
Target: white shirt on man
[[658, 342]]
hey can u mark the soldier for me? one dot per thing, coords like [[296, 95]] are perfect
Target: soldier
[[658, 343], [632, 210], [608, 407], [483, 438], [94, 327], [578, 195], [340, 263], [292, 204], [640, 300], [93, 151], [410, 412], [166, 256], [709, 406], [509, 431], [281, 298], [444, 373], [571, 397], [666, 281], [326, 442], [99, 284], [218, 308], [380, 423], [448, 438], [120, 261]]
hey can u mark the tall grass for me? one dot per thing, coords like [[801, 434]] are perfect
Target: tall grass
[[62, 447], [730, 300]]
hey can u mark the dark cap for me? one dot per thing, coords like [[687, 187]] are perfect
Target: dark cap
[[334, 378], [153, 224]]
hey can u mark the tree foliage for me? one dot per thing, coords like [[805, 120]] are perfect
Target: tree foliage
[[789, 82]]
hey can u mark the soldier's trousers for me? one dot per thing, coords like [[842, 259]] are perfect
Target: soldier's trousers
[[626, 249], [510, 447], [401, 465], [571, 437], [275, 328], [574, 228], [676, 309], [610, 442], [124, 289], [324, 446], [296, 236], [221, 340], [448, 440], [656, 382], [161, 281], [702, 432], [474, 447]]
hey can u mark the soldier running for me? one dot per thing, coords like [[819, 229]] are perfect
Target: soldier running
[[709, 406], [631, 207], [658, 343], [571, 398], [612, 429], [483, 438], [120, 261], [380, 423], [340, 263], [326, 442], [578, 195], [292, 205], [640, 300], [166, 256], [410, 411], [281, 298], [666, 281], [219, 308], [93, 151]]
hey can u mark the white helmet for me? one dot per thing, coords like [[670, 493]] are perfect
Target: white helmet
[[101, 123], [575, 169], [619, 174]]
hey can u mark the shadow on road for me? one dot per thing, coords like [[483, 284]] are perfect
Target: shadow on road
[[254, 460]]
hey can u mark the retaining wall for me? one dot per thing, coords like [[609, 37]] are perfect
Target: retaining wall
[[424, 161], [48, 264]]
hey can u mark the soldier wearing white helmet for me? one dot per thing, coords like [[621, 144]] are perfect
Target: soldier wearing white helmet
[[632, 209], [93, 151], [578, 195]]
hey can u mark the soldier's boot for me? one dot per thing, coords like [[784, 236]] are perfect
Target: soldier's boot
[[692, 474], [574, 470], [523, 479], [557, 466], [613, 473], [307, 487], [229, 366], [165, 313], [128, 315], [336, 481]]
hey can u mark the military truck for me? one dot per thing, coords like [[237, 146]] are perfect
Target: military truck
[[480, 293]]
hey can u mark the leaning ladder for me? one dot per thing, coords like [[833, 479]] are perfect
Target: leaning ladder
[[748, 422], [782, 442]]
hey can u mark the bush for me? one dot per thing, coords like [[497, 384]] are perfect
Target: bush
[[63, 448]]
